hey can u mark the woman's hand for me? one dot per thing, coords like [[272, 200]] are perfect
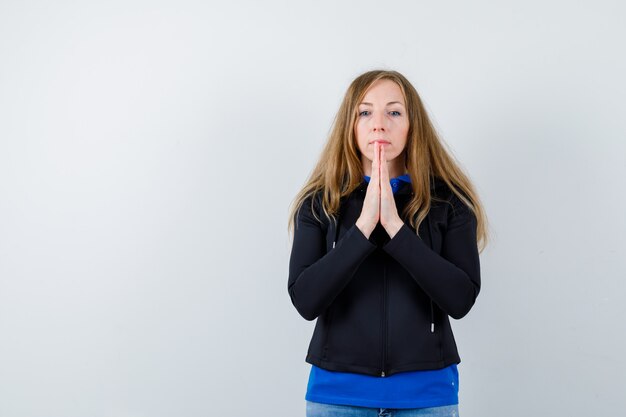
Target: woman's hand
[[370, 213], [379, 203], [389, 217]]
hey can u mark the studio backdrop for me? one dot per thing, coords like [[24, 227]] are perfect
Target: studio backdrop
[[150, 151]]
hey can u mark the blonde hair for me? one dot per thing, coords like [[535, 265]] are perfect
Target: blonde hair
[[339, 169]]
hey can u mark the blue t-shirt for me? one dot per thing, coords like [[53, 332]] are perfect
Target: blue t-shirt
[[413, 389]]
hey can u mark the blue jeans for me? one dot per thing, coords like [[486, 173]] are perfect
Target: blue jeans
[[315, 409]]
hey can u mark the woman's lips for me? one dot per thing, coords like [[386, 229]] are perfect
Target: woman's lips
[[384, 142]]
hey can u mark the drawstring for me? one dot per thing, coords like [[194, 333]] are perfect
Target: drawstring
[[432, 321], [432, 316], [336, 230]]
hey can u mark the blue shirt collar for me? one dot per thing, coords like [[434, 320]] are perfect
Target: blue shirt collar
[[395, 182], [404, 177]]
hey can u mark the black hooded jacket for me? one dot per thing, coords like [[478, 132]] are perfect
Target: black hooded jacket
[[381, 304]]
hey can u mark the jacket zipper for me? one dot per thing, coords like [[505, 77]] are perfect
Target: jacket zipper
[[382, 374]]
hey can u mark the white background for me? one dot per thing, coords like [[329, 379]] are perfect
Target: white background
[[149, 152]]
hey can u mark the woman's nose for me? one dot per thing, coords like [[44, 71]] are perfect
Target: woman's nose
[[378, 121]]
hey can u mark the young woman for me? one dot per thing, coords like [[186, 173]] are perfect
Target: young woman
[[385, 249]]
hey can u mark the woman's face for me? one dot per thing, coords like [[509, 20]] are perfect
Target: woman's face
[[382, 117]]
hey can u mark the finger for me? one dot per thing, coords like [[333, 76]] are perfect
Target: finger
[[376, 164], [384, 168], [380, 162], [378, 147], [373, 186]]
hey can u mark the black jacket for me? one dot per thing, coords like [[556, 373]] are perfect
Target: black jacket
[[381, 304]]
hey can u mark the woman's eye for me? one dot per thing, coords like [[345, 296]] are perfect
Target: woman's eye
[[393, 113]]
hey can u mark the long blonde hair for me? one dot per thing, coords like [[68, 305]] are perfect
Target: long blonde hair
[[339, 169]]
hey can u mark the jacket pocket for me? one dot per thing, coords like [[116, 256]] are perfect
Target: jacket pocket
[[412, 338], [438, 328]]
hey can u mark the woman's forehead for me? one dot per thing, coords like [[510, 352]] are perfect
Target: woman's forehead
[[387, 91]]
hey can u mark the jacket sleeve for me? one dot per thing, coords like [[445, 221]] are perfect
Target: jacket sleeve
[[452, 279], [317, 277]]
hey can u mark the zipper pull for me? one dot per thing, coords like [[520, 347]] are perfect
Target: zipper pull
[[333, 245], [432, 327], [383, 373]]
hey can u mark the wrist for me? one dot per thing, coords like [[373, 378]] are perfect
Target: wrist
[[394, 227], [367, 231]]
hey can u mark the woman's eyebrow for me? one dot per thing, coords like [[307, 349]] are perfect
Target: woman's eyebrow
[[391, 102]]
